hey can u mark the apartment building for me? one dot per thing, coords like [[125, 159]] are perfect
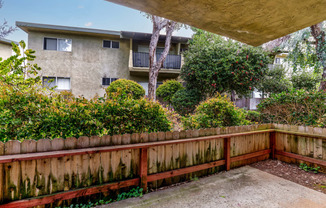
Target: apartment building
[[85, 61]]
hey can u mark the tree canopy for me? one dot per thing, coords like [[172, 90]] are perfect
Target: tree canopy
[[214, 64]]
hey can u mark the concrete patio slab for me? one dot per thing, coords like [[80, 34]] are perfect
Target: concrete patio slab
[[241, 187]]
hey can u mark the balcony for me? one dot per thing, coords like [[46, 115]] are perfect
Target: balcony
[[142, 60]]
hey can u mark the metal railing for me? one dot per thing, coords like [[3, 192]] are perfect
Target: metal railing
[[141, 59]]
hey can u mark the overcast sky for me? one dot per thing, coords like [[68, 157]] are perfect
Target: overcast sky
[[97, 14]]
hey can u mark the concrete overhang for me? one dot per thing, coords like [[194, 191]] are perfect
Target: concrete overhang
[[7, 42], [147, 37], [249, 21], [27, 27]]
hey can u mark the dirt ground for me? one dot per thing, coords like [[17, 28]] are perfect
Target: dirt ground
[[293, 173]]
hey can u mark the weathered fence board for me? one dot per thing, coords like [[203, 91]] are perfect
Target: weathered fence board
[[77, 167]]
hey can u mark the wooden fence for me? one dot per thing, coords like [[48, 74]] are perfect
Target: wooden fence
[[46, 171]]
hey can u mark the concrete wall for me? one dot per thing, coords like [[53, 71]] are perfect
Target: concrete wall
[[5, 50], [86, 64]]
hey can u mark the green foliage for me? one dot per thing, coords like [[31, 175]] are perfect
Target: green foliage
[[134, 192], [184, 101], [253, 116], [307, 168], [275, 81], [28, 112], [296, 107], [303, 52], [218, 111], [32, 115], [213, 64], [128, 87], [15, 72], [168, 89], [305, 80]]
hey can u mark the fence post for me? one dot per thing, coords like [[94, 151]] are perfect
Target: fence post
[[272, 140], [227, 152], [143, 169]]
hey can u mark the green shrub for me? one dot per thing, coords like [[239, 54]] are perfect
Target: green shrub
[[32, 115], [253, 116], [128, 87], [168, 89], [218, 111], [185, 101], [297, 107]]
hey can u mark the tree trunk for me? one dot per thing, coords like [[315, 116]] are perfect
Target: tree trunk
[[155, 66], [319, 36]]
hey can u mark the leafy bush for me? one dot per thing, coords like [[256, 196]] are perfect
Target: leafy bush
[[275, 81], [253, 116], [297, 107], [28, 112], [168, 89], [305, 80], [32, 115], [184, 101], [128, 87], [218, 111]]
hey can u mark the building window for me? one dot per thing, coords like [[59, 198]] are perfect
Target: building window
[[60, 83], [111, 44], [57, 44], [108, 81]]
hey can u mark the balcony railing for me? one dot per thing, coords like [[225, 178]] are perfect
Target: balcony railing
[[142, 60]]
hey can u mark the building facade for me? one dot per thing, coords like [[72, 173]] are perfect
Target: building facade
[[5, 48], [85, 61]]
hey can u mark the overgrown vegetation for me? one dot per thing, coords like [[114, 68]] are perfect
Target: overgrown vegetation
[[27, 111], [218, 111], [296, 107]]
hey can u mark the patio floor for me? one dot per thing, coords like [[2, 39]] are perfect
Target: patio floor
[[241, 187]]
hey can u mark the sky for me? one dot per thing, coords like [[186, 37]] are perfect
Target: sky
[[98, 14]]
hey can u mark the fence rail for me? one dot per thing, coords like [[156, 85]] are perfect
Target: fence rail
[[39, 178]]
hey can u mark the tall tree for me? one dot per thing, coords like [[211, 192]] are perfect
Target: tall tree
[[155, 65], [213, 64], [318, 33], [307, 50], [5, 29]]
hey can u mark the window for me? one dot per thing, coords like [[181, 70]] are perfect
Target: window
[[57, 44], [111, 44], [108, 81], [60, 83]]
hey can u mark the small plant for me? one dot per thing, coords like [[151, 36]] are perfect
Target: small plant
[[307, 168], [194, 178], [135, 192]]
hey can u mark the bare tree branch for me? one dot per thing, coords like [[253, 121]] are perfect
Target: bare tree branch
[[5, 29]]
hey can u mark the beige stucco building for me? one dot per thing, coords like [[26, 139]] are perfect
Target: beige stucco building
[[5, 48], [85, 61]]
